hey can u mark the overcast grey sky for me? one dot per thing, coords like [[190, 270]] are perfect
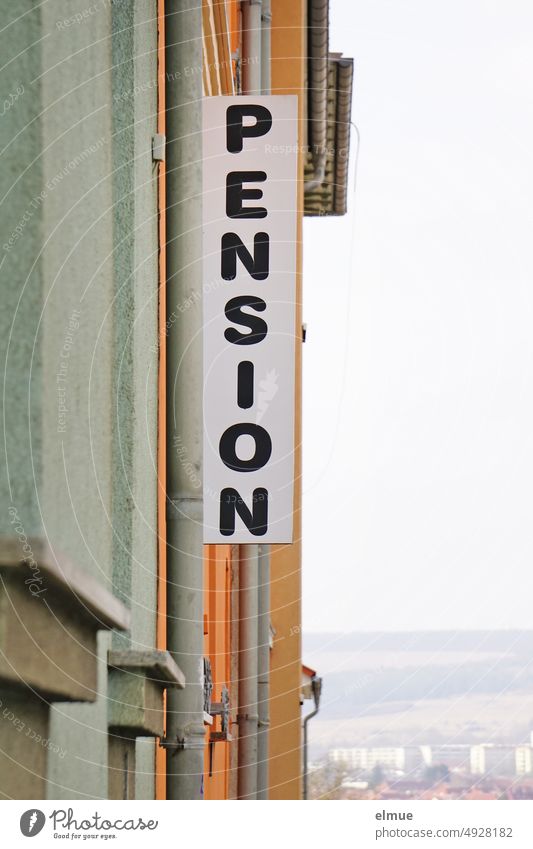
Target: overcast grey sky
[[418, 405]]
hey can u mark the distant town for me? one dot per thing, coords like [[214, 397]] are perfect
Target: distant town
[[445, 771], [423, 715]]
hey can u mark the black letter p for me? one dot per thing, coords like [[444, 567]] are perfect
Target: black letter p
[[235, 129]]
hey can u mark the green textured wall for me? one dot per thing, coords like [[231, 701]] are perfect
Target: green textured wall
[[20, 264], [78, 278], [136, 361], [79, 292]]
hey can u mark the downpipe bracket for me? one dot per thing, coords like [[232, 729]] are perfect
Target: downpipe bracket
[[193, 739]]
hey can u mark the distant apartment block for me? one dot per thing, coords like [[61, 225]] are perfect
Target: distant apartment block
[[488, 759], [492, 759], [454, 755], [523, 760], [397, 758]]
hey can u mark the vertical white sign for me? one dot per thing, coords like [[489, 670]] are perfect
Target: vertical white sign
[[250, 154]]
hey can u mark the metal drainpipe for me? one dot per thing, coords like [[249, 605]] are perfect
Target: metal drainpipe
[[316, 686], [249, 559], [251, 46], [247, 714], [263, 622], [266, 50], [185, 730], [263, 679]]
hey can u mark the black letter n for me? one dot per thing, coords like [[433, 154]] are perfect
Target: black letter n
[[256, 265], [232, 503]]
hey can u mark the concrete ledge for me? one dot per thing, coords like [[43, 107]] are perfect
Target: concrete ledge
[[50, 613], [137, 680], [156, 665], [59, 576]]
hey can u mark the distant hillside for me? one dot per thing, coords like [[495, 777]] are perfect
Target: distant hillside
[[423, 685], [347, 693], [413, 667]]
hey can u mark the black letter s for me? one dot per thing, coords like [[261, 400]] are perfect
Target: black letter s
[[257, 326]]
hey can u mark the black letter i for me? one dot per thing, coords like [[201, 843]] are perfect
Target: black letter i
[[245, 385]]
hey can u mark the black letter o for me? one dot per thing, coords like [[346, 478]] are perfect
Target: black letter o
[[263, 447]]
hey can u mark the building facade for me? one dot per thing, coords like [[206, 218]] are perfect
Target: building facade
[[123, 639], [404, 759], [523, 760], [496, 760]]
